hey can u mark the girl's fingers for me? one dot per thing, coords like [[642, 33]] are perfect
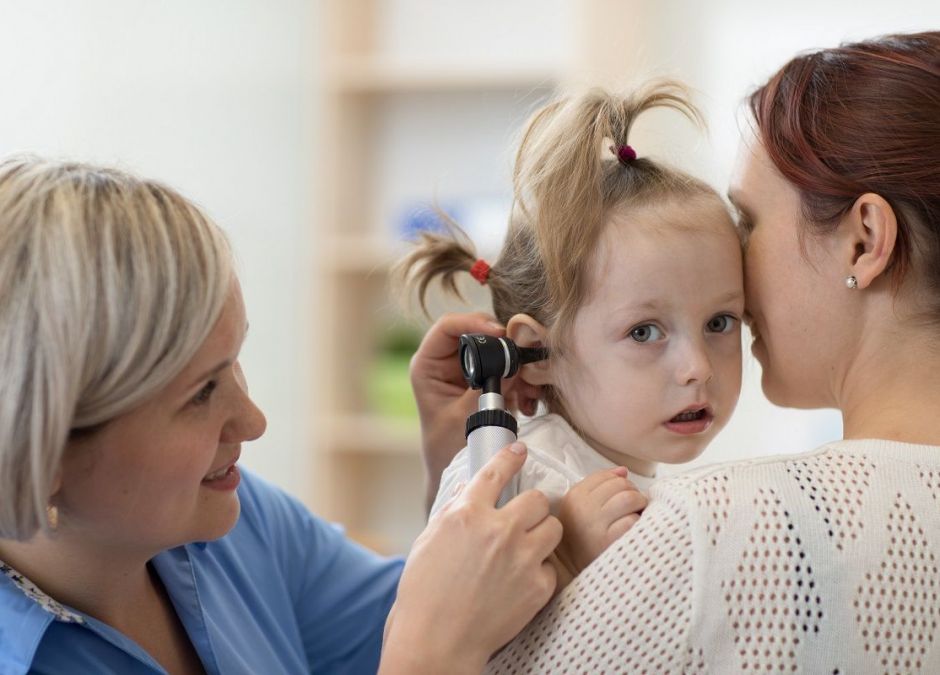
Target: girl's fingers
[[592, 482], [625, 502], [606, 489], [621, 526]]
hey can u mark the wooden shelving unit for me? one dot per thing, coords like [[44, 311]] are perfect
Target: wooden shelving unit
[[369, 471]]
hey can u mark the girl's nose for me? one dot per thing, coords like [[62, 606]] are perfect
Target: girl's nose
[[695, 366]]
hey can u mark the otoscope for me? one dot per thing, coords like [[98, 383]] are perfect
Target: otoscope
[[485, 360]]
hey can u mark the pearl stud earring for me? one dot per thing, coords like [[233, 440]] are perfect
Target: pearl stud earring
[[851, 282]]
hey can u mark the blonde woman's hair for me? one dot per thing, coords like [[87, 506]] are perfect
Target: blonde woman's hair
[[108, 285], [566, 181]]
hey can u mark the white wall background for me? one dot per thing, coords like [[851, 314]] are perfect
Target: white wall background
[[219, 98], [216, 98]]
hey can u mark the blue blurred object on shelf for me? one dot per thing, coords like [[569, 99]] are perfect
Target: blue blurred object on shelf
[[423, 218], [482, 217]]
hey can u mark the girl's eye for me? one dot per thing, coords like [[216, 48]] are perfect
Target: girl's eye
[[646, 333], [721, 323], [205, 393]]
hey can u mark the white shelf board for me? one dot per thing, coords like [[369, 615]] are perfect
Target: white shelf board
[[378, 78]]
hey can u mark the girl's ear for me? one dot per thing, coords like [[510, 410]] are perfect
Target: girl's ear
[[527, 332]]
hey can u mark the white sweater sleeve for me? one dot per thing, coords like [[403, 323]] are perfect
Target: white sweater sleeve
[[629, 611]]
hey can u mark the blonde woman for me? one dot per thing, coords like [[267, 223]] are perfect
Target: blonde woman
[[130, 541]]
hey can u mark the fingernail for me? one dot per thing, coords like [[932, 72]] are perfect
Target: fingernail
[[498, 327], [620, 471], [517, 448]]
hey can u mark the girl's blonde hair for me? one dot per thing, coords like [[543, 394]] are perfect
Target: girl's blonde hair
[[566, 181], [108, 285]]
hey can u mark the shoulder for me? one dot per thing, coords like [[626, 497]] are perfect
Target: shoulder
[[556, 448], [739, 473], [263, 504], [547, 467], [274, 530], [546, 431], [725, 497]]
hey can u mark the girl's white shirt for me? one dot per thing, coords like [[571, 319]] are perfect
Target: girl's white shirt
[[557, 459]]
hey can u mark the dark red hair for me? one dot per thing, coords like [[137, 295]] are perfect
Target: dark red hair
[[862, 117]]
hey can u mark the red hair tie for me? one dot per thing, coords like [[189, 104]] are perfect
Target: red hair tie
[[480, 271], [625, 154]]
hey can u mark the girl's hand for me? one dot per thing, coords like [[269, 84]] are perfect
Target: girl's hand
[[475, 577], [444, 400], [595, 513]]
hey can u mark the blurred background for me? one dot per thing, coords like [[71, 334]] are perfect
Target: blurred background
[[319, 133]]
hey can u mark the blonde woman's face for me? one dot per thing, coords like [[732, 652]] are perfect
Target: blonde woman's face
[[654, 370], [164, 474]]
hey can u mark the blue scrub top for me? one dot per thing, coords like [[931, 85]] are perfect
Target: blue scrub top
[[283, 592]]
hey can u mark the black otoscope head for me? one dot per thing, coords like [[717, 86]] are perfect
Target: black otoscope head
[[486, 359]]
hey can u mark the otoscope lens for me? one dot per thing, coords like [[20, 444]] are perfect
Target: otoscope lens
[[468, 368]]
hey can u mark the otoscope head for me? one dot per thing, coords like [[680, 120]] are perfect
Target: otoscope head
[[486, 359]]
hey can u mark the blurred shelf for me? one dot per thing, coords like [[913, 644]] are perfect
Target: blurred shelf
[[375, 434], [372, 540], [359, 253], [365, 77], [370, 477]]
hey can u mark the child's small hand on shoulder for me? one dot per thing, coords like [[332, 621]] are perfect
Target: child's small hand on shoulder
[[595, 513]]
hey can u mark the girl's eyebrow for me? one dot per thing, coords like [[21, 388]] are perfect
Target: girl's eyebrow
[[645, 306], [736, 294]]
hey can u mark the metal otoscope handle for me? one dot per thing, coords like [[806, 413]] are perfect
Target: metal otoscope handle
[[485, 360]]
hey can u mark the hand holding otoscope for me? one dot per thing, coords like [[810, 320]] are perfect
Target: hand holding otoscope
[[485, 361]]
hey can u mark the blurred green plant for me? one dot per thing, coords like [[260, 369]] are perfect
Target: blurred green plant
[[388, 384]]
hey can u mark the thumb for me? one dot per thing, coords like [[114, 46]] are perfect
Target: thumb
[[489, 482]]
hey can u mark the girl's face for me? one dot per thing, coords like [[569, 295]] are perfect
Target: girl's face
[[164, 474], [654, 367], [795, 291]]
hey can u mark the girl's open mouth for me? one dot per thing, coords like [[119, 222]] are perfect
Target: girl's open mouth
[[693, 421]]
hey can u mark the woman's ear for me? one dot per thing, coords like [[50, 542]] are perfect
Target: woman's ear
[[871, 233], [527, 332]]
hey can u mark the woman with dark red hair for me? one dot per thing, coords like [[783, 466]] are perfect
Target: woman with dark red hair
[[827, 561]]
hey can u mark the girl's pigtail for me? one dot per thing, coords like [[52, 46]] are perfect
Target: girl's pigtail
[[435, 255]]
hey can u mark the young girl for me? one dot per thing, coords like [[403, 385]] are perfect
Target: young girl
[[630, 273]]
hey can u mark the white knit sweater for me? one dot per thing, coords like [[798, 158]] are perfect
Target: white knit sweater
[[825, 562]]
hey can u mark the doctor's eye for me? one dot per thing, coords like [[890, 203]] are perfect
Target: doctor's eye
[[723, 323], [205, 393], [646, 333]]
